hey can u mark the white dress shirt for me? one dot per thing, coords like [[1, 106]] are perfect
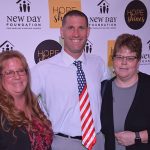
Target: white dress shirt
[[55, 80]]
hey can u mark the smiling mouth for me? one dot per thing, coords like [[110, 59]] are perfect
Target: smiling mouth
[[76, 40], [123, 68]]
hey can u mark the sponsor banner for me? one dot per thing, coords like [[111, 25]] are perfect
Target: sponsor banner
[[58, 8], [145, 60], [46, 49], [136, 14], [103, 17], [32, 26], [21, 16], [111, 44]]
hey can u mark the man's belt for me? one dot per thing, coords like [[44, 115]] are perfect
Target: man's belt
[[67, 136]]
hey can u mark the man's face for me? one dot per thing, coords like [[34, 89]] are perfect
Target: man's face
[[75, 33]]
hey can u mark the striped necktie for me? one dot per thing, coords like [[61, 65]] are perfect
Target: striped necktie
[[87, 123]]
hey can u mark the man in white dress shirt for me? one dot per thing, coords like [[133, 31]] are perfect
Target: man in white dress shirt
[[55, 80]]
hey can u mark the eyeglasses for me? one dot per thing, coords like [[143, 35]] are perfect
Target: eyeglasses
[[127, 58], [11, 73]]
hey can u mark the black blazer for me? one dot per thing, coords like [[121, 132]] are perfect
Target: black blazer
[[138, 117]]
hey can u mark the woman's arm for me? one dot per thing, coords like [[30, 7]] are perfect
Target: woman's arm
[[127, 138]]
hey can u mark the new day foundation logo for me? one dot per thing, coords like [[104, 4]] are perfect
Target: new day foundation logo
[[88, 47], [104, 19], [23, 17], [103, 7], [24, 5], [145, 60], [6, 46]]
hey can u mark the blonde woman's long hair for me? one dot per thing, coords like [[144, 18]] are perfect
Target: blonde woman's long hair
[[8, 112]]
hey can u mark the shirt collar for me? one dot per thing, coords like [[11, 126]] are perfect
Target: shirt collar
[[68, 60]]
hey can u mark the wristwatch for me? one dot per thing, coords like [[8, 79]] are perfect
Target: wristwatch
[[137, 138]]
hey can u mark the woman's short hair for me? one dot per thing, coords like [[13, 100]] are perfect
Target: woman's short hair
[[132, 42]]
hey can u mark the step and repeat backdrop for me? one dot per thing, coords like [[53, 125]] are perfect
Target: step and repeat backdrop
[[32, 26]]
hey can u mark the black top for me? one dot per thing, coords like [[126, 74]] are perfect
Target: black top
[[8, 142], [138, 117], [21, 140]]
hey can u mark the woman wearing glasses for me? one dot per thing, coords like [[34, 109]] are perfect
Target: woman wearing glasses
[[23, 126], [125, 113]]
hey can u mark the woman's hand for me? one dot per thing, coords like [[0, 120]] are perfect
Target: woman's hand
[[125, 138]]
